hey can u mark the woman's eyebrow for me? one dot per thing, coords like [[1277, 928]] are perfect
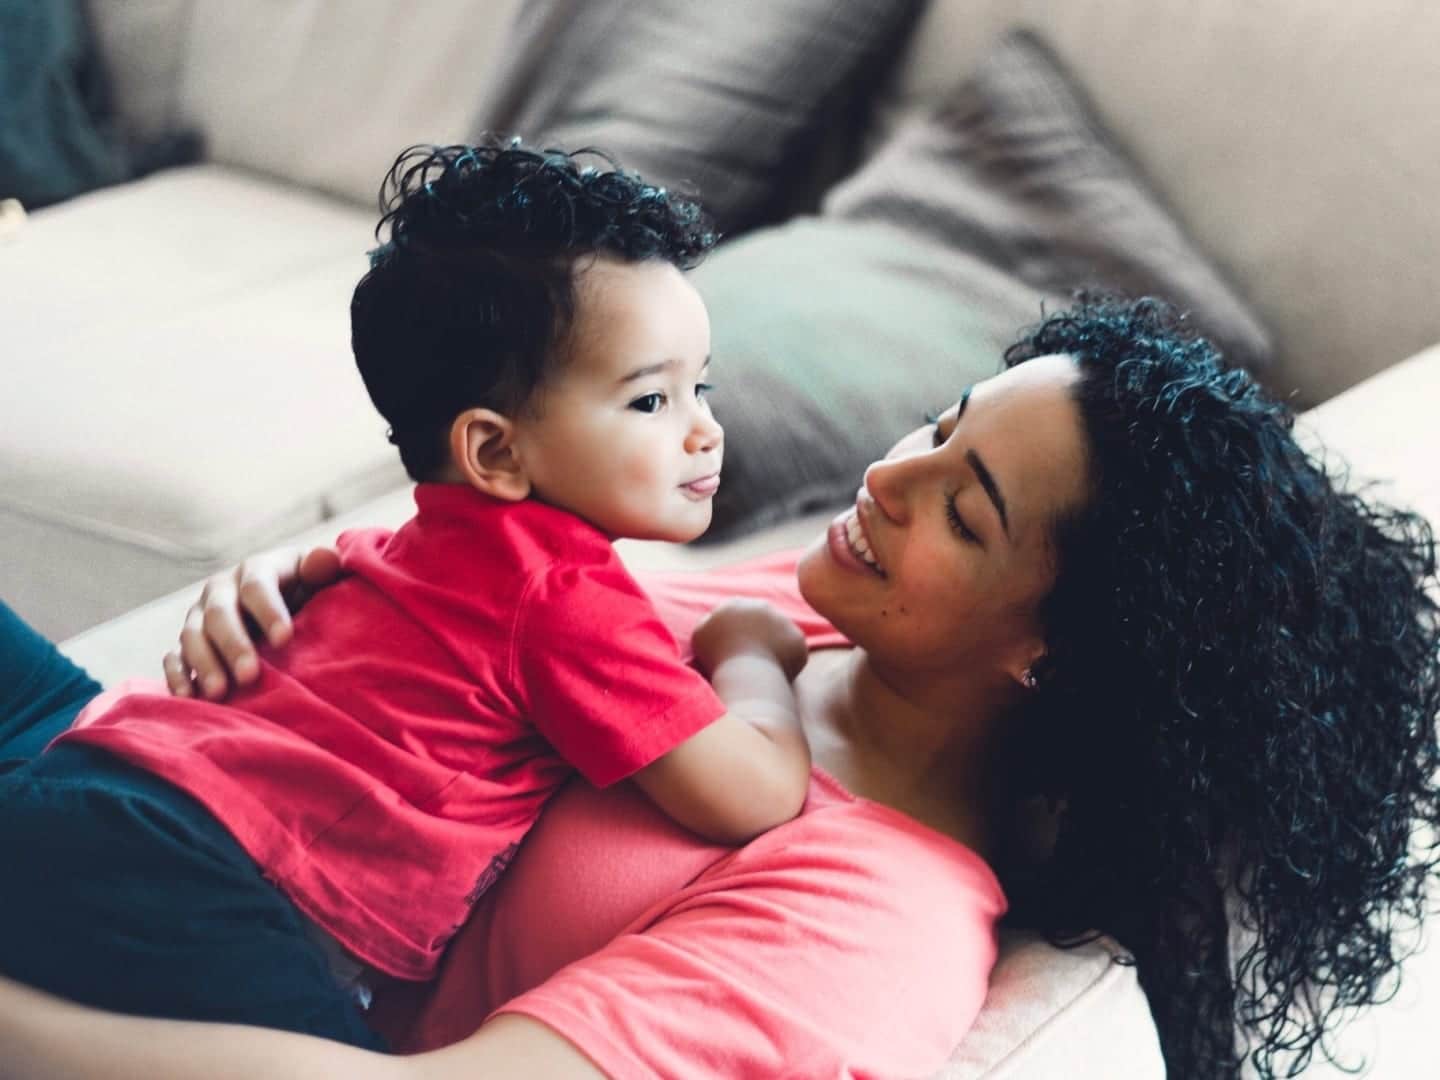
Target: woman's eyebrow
[[987, 479]]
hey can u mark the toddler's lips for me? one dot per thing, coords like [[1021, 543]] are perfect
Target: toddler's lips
[[702, 488]]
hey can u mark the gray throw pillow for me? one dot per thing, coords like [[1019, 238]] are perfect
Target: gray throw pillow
[[737, 100], [835, 334]]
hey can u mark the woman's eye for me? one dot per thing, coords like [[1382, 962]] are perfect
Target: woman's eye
[[932, 419], [957, 524], [649, 403]]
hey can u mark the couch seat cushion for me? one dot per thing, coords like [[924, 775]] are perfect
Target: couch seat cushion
[[180, 387]]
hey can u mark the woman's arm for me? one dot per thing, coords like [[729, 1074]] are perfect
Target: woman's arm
[[215, 642], [45, 1038]]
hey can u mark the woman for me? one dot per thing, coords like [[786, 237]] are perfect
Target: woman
[[1107, 580]]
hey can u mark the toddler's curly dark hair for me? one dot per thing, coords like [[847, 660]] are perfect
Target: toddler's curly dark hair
[[1237, 711], [472, 290]]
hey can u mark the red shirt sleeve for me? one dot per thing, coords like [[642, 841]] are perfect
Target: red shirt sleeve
[[602, 678]]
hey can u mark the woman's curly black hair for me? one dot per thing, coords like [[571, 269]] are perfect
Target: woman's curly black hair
[[474, 287], [1237, 710]]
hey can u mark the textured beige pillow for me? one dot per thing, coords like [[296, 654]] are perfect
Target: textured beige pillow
[[1014, 169]]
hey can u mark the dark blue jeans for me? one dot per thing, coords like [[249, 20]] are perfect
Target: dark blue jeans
[[121, 891]]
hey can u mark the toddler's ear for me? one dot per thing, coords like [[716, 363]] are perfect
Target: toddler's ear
[[482, 450]]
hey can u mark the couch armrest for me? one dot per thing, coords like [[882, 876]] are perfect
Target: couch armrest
[[1384, 430], [1059, 1012]]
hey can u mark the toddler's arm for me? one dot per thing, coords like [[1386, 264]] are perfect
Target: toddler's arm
[[749, 770]]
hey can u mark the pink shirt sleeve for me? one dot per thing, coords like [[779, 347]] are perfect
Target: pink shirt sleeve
[[800, 957]]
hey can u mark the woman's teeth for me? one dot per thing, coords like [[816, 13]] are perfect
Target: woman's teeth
[[859, 545]]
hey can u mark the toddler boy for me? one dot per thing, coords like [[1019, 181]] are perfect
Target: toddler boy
[[528, 334]]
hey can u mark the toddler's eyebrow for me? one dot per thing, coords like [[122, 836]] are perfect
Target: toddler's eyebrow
[[656, 369]]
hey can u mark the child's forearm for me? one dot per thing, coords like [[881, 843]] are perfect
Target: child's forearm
[[746, 772], [754, 687]]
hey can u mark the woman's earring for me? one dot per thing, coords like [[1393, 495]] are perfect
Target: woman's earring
[[1027, 680]]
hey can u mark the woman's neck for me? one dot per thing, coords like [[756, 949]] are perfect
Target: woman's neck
[[923, 754]]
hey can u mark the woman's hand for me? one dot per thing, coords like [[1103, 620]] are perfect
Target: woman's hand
[[744, 625], [237, 605]]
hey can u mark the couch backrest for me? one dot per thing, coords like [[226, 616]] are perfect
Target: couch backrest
[[314, 91], [1299, 140]]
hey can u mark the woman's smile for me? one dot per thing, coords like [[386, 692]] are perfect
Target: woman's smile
[[850, 547]]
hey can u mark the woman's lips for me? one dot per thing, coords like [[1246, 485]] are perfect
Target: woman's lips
[[703, 488], [837, 540]]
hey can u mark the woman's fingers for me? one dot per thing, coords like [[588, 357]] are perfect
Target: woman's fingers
[[177, 675], [228, 637], [261, 597], [217, 642], [197, 656]]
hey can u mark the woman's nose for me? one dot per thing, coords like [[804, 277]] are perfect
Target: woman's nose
[[885, 483]]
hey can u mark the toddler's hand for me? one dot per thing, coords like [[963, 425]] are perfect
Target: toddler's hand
[[742, 625]]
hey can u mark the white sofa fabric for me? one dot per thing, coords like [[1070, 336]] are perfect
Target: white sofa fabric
[[180, 389]]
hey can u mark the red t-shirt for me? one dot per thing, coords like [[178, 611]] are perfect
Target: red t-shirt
[[389, 760], [850, 942]]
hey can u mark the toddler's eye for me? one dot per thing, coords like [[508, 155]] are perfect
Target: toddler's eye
[[649, 403], [702, 390]]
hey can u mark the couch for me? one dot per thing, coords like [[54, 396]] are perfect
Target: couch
[[180, 391]]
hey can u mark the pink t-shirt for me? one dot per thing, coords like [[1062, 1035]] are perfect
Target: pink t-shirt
[[850, 942], [390, 759]]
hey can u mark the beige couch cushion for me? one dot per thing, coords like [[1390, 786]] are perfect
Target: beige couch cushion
[[153, 433], [1059, 1013], [320, 93], [1385, 430], [1296, 138]]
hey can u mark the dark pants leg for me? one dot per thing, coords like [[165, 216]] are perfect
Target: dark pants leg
[[121, 891], [40, 690]]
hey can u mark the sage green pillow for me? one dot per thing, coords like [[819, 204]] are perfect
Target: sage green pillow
[[835, 334], [829, 341]]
